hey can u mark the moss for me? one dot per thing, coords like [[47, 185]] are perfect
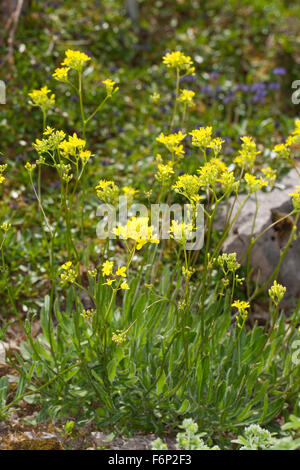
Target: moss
[[35, 444]]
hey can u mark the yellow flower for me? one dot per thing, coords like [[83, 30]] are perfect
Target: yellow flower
[[172, 142], [48, 131], [119, 337], [164, 172], [51, 143], [72, 145], [187, 96], [137, 229], [109, 84], [270, 175], [30, 166], [181, 231], [75, 60], [107, 268], [129, 192], [155, 97], [107, 191], [69, 274], [253, 183], [241, 305], [109, 282], [177, 60], [248, 152], [2, 169], [210, 172], [66, 266], [187, 185], [85, 155], [296, 198], [187, 273], [228, 182], [88, 314], [121, 271], [124, 285], [61, 74], [276, 292], [41, 99], [228, 263], [201, 137], [5, 227], [216, 145]]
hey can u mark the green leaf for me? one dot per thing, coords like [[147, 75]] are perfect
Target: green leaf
[[161, 382]]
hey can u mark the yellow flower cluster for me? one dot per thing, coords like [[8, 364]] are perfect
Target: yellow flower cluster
[[276, 292], [30, 167], [41, 99], [119, 337], [216, 145], [284, 150], [107, 271], [172, 142], [107, 191], [188, 186], [68, 274], [253, 183], [187, 97], [181, 231], [242, 307], [88, 314], [54, 138], [296, 198], [228, 182], [248, 152], [164, 172], [177, 60], [65, 172], [137, 229], [2, 169], [187, 273], [61, 74], [228, 262], [75, 59], [110, 87], [5, 227], [71, 146], [269, 175], [155, 97], [202, 137], [211, 172], [129, 192]]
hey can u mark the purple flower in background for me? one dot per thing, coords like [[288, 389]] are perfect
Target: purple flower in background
[[214, 75], [206, 90], [188, 79], [279, 71], [274, 86], [229, 97], [243, 87], [259, 91], [229, 150]]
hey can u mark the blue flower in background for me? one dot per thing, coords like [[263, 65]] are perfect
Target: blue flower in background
[[279, 71], [274, 86]]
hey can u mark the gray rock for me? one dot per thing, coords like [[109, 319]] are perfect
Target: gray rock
[[265, 252]]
